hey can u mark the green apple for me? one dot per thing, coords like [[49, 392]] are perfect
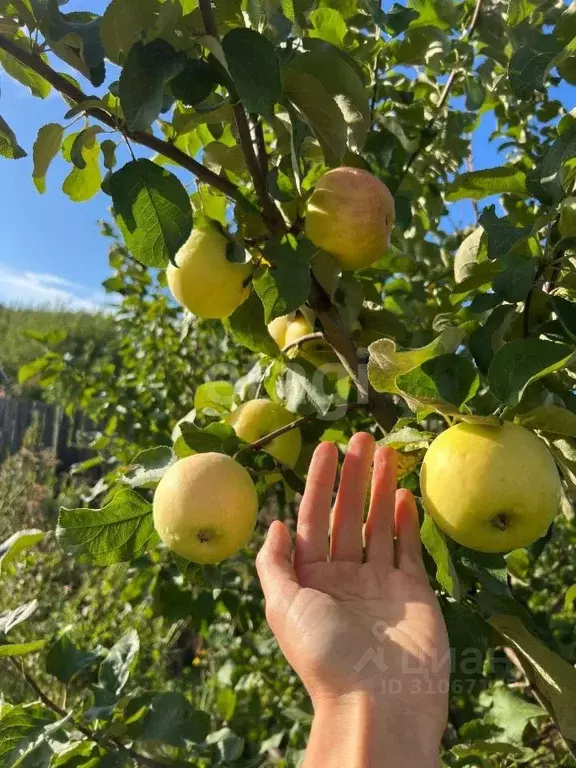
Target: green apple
[[256, 418], [204, 280], [493, 489], [350, 214], [205, 507]]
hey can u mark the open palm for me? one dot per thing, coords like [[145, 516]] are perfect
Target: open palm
[[346, 625]]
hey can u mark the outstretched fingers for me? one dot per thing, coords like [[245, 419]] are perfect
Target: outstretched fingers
[[314, 513], [408, 543], [348, 515], [379, 529]]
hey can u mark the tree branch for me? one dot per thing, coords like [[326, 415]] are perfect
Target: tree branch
[[355, 363], [165, 148], [91, 735], [428, 134], [270, 212], [302, 340], [295, 424], [258, 131]]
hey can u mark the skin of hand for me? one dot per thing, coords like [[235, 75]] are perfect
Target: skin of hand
[[365, 634]]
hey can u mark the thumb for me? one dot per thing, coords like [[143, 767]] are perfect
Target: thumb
[[275, 569]]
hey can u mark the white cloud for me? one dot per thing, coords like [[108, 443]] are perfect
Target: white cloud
[[25, 288]]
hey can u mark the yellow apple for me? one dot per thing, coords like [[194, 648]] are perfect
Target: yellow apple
[[350, 214], [490, 488], [204, 280], [289, 328], [257, 418], [205, 507]]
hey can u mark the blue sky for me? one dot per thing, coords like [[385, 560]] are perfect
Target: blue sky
[[50, 249]]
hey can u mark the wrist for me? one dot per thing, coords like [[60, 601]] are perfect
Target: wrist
[[369, 733]]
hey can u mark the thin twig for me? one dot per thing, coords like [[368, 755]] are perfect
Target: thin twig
[[355, 363], [260, 141], [295, 424], [270, 212], [89, 733], [165, 148], [316, 336], [428, 131]]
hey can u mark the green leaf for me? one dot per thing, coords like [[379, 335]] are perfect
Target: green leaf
[[491, 181], [386, 363], [488, 338], [108, 148], [446, 379], [218, 156], [523, 361], [502, 235], [125, 23], [529, 65], [565, 30], [303, 388], [12, 548], [214, 395], [46, 147], [474, 91], [24, 730], [11, 619], [119, 532], [20, 649], [148, 467], [565, 312], [423, 45], [549, 418], [517, 278], [195, 83], [570, 599], [80, 35], [28, 77], [82, 184], [551, 171], [398, 19], [470, 639], [471, 250], [169, 718], [286, 284], [64, 660], [153, 211], [519, 10], [319, 110], [83, 139], [435, 543], [512, 714], [341, 80], [229, 745], [218, 437], [553, 676], [328, 24], [9, 146], [255, 70], [248, 328], [148, 69], [115, 669], [407, 438]]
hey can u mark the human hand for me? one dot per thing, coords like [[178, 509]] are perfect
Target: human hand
[[353, 630]]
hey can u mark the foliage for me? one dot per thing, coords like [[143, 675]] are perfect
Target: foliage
[[24, 332], [256, 100]]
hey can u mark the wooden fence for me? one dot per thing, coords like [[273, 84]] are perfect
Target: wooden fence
[[53, 429]]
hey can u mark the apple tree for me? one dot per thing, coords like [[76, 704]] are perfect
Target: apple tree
[[224, 118]]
